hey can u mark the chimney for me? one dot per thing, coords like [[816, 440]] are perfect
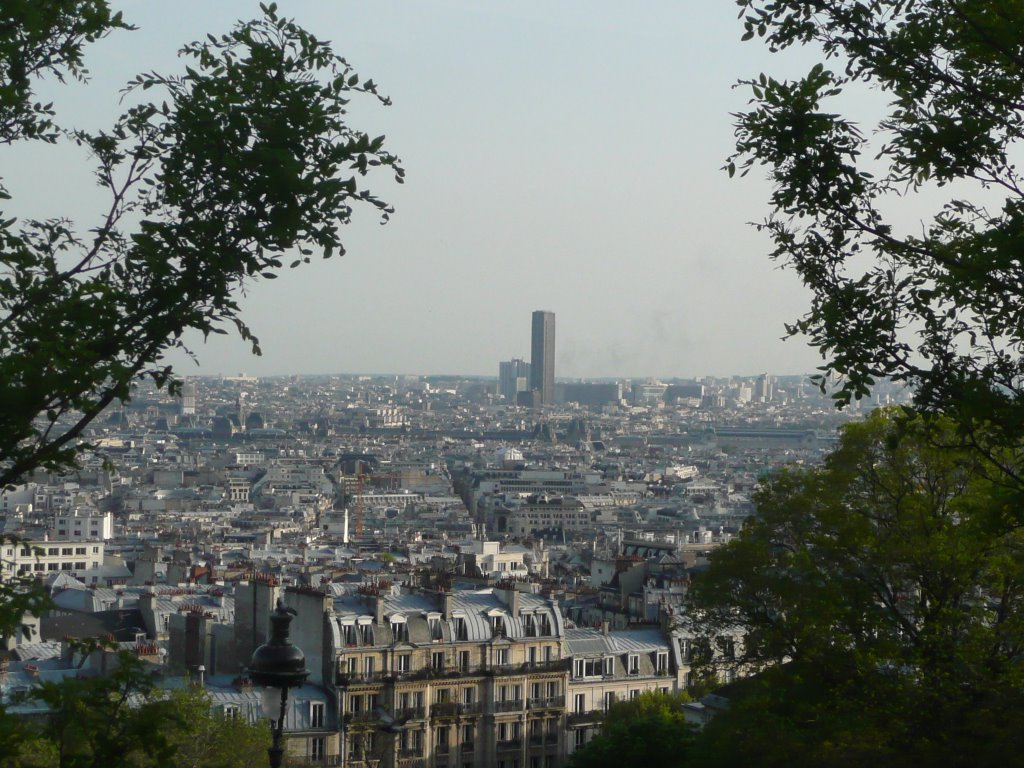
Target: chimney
[[447, 602], [378, 609], [604, 627]]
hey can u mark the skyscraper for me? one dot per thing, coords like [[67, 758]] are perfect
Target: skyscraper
[[513, 378], [542, 356]]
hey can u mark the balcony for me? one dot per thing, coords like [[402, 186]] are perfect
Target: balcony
[[444, 709], [410, 713], [411, 762], [471, 708], [536, 739], [583, 718], [550, 702], [509, 745], [509, 705], [345, 679], [309, 762], [361, 718]]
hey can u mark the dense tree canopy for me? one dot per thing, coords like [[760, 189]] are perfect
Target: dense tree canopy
[[647, 730], [123, 719], [881, 595], [241, 162], [935, 303]]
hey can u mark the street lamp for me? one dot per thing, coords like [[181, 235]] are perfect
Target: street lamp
[[278, 665]]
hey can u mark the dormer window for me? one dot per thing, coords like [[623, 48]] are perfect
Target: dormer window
[[661, 662], [460, 628], [434, 625], [529, 625], [545, 626], [399, 629], [609, 666], [633, 664]]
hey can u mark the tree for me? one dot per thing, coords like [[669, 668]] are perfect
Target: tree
[[124, 719], [936, 304], [242, 161], [650, 729], [881, 595]]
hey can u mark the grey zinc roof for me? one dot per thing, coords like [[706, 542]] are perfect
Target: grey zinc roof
[[473, 607], [592, 642]]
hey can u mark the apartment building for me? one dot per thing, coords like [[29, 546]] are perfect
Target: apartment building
[[84, 524], [614, 665], [43, 558], [462, 679]]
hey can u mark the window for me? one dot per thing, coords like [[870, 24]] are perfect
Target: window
[[399, 630], [501, 656], [316, 714], [79, 566], [79, 550], [552, 689], [442, 695], [581, 737], [95, 550], [368, 666], [467, 695], [41, 567], [579, 703], [65, 551], [437, 661], [53, 567], [634, 693], [634, 664], [609, 699], [661, 663], [52, 551], [464, 660], [355, 704], [459, 624], [609, 666], [352, 665], [367, 634], [467, 738], [547, 654], [230, 712], [533, 655], [316, 748], [404, 662], [442, 740]]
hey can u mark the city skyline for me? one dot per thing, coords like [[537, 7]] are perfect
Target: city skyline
[[585, 177]]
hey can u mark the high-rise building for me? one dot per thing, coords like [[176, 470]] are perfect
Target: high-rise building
[[513, 378], [188, 398], [542, 356]]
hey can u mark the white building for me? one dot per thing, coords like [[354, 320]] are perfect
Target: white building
[[84, 524]]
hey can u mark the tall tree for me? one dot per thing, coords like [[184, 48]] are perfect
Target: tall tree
[[882, 596], [242, 162], [936, 304]]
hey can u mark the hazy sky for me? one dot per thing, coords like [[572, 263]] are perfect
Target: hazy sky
[[559, 155]]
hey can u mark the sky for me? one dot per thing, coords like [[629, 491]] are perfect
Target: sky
[[561, 155]]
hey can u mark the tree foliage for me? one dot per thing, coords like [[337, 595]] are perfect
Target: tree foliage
[[240, 163], [937, 304], [123, 719], [881, 594], [650, 729]]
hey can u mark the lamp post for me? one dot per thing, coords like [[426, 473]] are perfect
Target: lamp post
[[277, 665]]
